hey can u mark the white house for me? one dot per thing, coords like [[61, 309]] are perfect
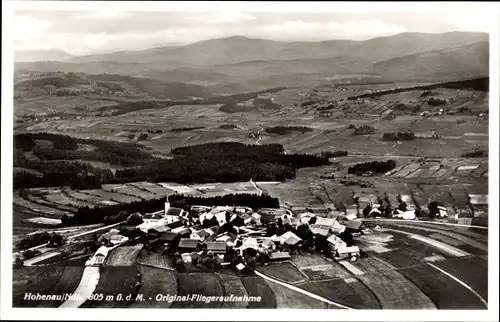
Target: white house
[[172, 214], [256, 218]]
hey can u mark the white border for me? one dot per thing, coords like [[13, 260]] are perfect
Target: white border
[[490, 11]]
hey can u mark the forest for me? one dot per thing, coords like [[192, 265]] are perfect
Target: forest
[[373, 166], [204, 163]]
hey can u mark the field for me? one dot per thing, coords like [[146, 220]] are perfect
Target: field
[[155, 281], [289, 299], [391, 288], [155, 259], [198, 283], [48, 279], [285, 272], [114, 281], [352, 293], [124, 255], [233, 286], [441, 289], [257, 286]]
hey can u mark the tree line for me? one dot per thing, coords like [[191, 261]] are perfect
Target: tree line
[[373, 166], [205, 163]]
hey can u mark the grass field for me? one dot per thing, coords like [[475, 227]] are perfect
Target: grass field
[[155, 259], [124, 255], [48, 279], [198, 283], [285, 272], [462, 269], [257, 286], [392, 289], [324, 272], [309, 260], [441, 289], [289, 299], [233, 286], [352, 294], [114, 281], [155, 281]]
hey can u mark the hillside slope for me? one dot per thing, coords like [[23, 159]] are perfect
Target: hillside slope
[[464, 61]]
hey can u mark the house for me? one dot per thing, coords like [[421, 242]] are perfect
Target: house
[[216, 247], [199, 235], [226, 237], [353, 225], [352, 252], [320, 231], [353, 209], [112, 237], [187, 245], [175, 225], [168, 237], [336, 242], [240, 267], [157, 231], [289, 238], [267, 244], [305, 217], [408, 215], [150, 224], [249, 242], [375, 212], [327, 222], [279, 256], [338, 228], [256, 219], [172, 214], [442, 212], [182, 231]]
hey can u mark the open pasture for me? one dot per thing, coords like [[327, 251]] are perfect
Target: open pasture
[[124, 255], [207, 284], [155, 259], [285, 272], [392, 289], [257, 286], [115, 280], [233, 285], [155, 281]]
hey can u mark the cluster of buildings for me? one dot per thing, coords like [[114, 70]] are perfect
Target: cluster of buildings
[[215, 232]]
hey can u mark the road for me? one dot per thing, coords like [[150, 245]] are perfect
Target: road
[[258, 135]]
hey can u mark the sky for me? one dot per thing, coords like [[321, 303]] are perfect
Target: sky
[[90, 32]]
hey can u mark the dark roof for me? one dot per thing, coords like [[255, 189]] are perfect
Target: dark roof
[[292, 240], [352, 224], [172, 211], [175, 224], [168, 236], [216, 246], [188, 243]]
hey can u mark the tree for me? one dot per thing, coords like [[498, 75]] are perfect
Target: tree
[[18, 262], [433, 209]]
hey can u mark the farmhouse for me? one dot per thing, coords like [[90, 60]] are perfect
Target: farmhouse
[[335, 242], [187, 245], [216, 247], [172, 214], [353, 225], [256, 219], [345, 252], [168, 237], [226, 237], [200, 235]]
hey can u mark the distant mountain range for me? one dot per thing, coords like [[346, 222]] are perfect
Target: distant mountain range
[[41, 55], [244, 60]]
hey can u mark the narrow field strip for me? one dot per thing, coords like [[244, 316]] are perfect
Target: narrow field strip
[[462, 283]]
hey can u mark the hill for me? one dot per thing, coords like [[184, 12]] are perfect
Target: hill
[[464, 61], [241, 49], [41, 55]]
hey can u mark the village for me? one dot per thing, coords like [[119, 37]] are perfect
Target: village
[[234, 237]]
